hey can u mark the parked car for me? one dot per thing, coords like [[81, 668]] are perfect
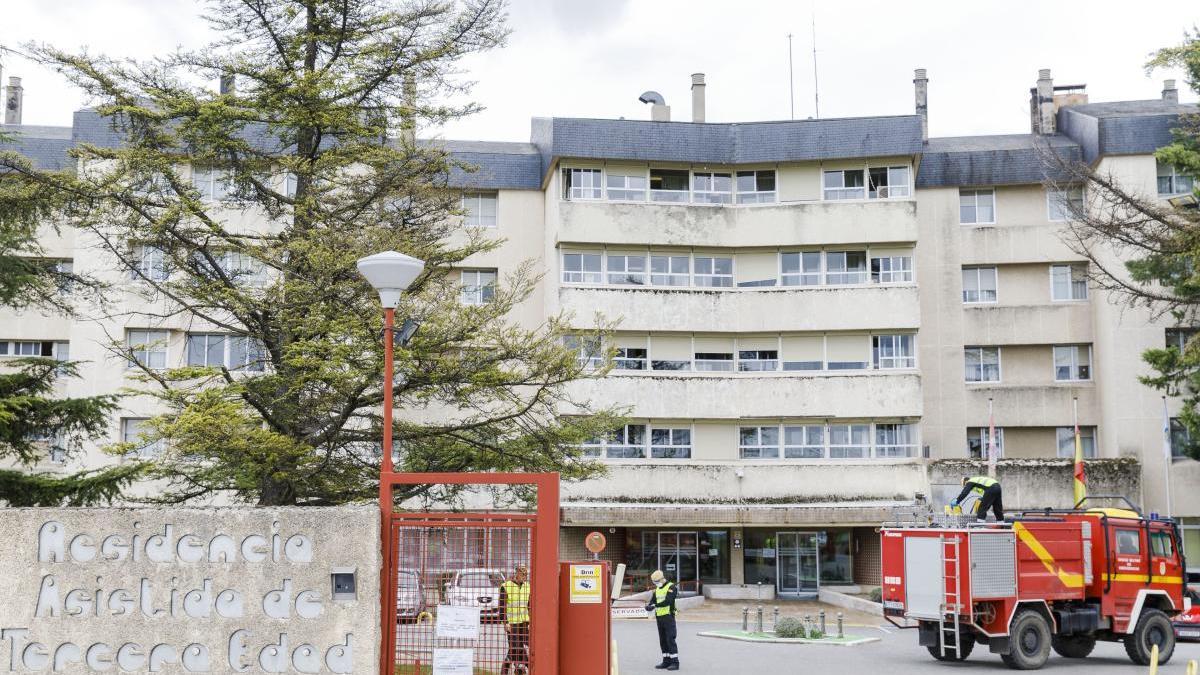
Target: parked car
[[1187, 624], [476, 587], [410, 596]]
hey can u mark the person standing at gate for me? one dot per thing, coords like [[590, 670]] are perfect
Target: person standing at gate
[[514, 607], [989, 493], [662, 603]]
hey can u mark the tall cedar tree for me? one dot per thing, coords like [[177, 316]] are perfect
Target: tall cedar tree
[[1145, 249], [242, 213], [34, 420]]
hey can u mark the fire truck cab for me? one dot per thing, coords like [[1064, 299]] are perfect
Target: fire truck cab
[[1042, 580]]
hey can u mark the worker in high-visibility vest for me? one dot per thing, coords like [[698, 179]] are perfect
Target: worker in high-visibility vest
[[514, 607], [989, 494], [662, 603]]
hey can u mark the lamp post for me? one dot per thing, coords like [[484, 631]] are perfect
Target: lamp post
[[389, 273]]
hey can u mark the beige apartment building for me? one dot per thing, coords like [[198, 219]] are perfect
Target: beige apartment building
[[814, 318]]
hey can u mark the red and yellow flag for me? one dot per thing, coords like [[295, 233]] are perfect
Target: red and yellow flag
[[1080, 479]]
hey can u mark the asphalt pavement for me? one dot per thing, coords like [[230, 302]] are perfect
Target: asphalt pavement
[[896, 654]]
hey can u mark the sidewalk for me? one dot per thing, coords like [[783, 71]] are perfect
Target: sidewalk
[[731, 611]]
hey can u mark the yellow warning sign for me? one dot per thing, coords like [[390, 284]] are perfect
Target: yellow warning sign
[[586, 585]]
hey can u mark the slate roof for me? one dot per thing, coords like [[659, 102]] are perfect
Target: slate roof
[[495, 166], [1122, 127], [46, 147], [993, 160]]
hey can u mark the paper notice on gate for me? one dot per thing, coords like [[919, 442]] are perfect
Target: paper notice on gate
[[453, 661], [458, 621]]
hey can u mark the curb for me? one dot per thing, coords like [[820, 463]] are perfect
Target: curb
[[788, 641]]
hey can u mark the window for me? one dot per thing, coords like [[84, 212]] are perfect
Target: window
[[247, 353], [25, 348], [627, 270], [895, 440], [478, 286], [583, 268], [713, 272], [804, 442], [1068, 282], [757, 360], [1181, 439], [849, 441], [206, 349], [891, 269], [290, 185], [590, 352], [758, 442], [135, 430], [1178, 337], [1162, 544], [148, 348], [982, 364], [241, 267], [670, 443], [630, 358], [216, 350], [979, 284], [582, 184], [148, 262], [976, 206], [670, 270], [627, 442], [1066, 441], [668, 185], [755, 187], [887, 182], [1072, 363], [977, 442], [1129, 542], [848, 352], [1171, 182], [844, 184], [713, 361], [1063, 203], [846, 267], [800, 269], [480, 209], [712, 188], [213, 184], [626, 187], [893, 351], [65, 269]]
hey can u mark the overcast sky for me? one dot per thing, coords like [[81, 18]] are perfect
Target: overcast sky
[[592, 58]]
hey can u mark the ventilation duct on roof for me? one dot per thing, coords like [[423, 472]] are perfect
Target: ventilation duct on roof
[[659, 110]]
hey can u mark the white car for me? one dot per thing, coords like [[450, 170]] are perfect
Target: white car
[[476, 587], [410, 595]]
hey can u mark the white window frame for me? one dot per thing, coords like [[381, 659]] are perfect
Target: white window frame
[[670, 276], [592, 192], [715, 276], [474, 211], [841, 192], [1058, 208], [475, 289], [864, 274], [584, 345], [983, 366], [625, 190], [760, 449], [711, 195], [625, 272], [714, 365], [899, 269], [679, 442], [669, 196], [806, 449], [23, 349], [131, 433], [623, 444], [896, 450], [1070, 268], [1075, 363], [974, 194], [756, 196], [979, 290], [149, 263], [982, 432], [148, 343], [803, 277], [625, 361], [212, 184], [757, 364], [581, 277], [890, 191], [837, 451], [895, 361], [1174, 179], [1180, 338], [1086, 433]]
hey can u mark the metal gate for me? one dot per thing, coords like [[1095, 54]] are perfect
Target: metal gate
[[445, 572]]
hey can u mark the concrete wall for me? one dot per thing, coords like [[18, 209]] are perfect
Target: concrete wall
[[1039, 483], [189, 590]]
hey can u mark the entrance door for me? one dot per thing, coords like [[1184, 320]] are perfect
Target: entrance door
[[679, 559], [797, 564]]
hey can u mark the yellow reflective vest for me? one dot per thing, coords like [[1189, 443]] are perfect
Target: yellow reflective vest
[[516, 602], [660, 596], [981, 482]]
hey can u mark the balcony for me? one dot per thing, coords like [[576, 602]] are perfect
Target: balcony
[[1057, 323], [747, 309], [1048, 405], [757, 395], [1013, 244], [793, 224]]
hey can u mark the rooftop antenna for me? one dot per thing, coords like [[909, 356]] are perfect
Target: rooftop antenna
[[816, 86], [791, 81]]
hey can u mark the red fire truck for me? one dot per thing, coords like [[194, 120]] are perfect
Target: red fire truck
[[1052, 579]]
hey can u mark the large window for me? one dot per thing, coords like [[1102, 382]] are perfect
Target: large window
[[670, 270], [627, 442], [1066, 441], [670, 443], [713, 272], [626, 186], [804, 442], [979, 284], [887, 182], [757, 360], [582, 184], [218, 350], [833, 441], [669, 185], [755, 187], [148, 262], [1068, 282], [1181, 440], [212, 184], [895, 440], [713, 361], [477, 286], [844, 184], [630, 358], [626, 270], [849, 441], [891, 269], [846, 267], [480, 209], [583, 268], [976, 206], [712, 188], [982, 364], [978, 439], [1072, 363], [148, 348], [137, 431], [758, 442], [1171, 182], [800, 269], [588, 349], [893, 351], [1178, 337], [1063, 203], [35, 348]]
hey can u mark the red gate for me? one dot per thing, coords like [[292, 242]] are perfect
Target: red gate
[[458, 562]]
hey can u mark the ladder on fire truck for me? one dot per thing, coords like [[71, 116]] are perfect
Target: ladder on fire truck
[[953, 589]]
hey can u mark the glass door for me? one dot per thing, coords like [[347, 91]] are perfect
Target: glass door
[[678, 558], [798, 568]]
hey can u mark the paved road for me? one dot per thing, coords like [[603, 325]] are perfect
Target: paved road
[[637, 645]]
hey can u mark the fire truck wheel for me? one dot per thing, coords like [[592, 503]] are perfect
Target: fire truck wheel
[[1153, 628], [1074, 646], [1029, 637], [966, 640]]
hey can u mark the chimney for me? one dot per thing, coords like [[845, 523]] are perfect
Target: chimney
[[12, 101], [697, 97], [228, 83], [1041, 104], [1170, 93], [659, 110], [921, 89]]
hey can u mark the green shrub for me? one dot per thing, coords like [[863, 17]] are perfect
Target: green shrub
[[876, 595], [789, 627], [815, 634]]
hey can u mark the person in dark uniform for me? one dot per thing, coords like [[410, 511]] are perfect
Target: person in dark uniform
[[662, 603], [989, 493], [514, 608]]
